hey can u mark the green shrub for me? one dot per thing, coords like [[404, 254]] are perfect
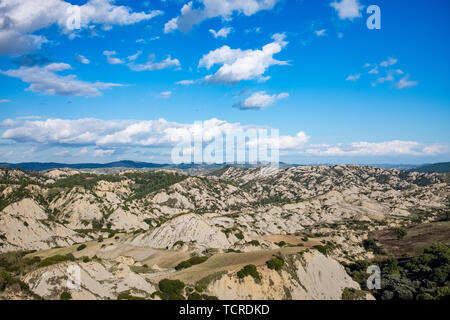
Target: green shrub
[[191, 262], [194, 296], [281, 244], [81, 247], [249, 270], [171, 289], [254, 243], [353, 294], [126, 295], [56, 259], [400, 233], [65, 296], [322, 249], [371, 245], [276, 263]]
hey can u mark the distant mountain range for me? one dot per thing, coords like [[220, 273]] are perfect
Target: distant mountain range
[[443, 167], [42, 166]]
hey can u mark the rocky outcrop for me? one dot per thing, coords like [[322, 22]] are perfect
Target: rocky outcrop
[[310, 276]]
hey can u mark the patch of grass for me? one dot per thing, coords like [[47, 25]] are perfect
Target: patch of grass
[[65, 296], [353, 294], [81, 247], [191, 262], [276, 263], [56, 259], [371, 245], [322, 249], [249, 270], [281, 244], [126, 295], [204, 282], [400, 233], [171, 289]]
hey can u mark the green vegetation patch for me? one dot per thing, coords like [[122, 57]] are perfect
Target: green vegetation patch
[[353, 294], [276, 263], [81, 247], [171, 289], [148, 182], [126, 295], [56, 259], [424, 277], [249, 270], [65, 296], [191, 262]]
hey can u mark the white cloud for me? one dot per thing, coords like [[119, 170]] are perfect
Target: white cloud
[[392, 148], [215, 8], [165, 94], [373, 71], [151, 65], [353, 77], [103, 152], [389, 77], [222, 33], [112, 60], [45, 79], [348, 9], [186, 82], [82, 59], [391, 74], [404, 83], [320, 33], [134, 56], [4, 100], [19, 19], [238, 65], [389, 62], [109, 136], [259, 100]]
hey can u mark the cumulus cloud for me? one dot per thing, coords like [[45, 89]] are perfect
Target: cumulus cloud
[[389, 62], [215, 8], [133, 57], [394, 147], [46, 79], [238, 65], [19, 19], [82, 59], [348, 9], [103, 152], [151, 65], [353, 77], [385, 73], [404, 83], [260, 100], [320, 33], [112, 60], [222, 33], [112, 136]]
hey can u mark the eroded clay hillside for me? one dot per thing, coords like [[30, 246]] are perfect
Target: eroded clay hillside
[[138, 226]]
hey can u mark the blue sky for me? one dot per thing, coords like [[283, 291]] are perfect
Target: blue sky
[[112, 89]]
